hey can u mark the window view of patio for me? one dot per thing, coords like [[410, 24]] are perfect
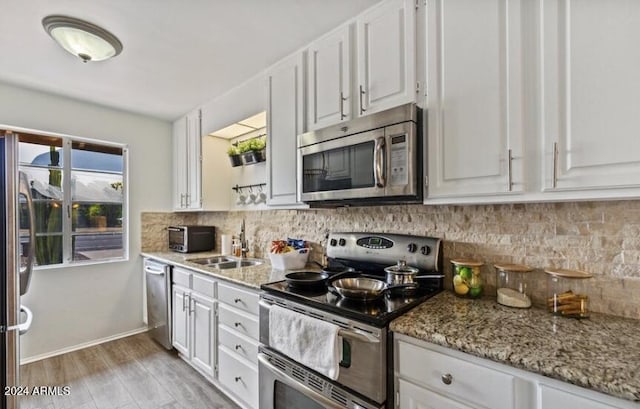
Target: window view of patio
[[80, 206]]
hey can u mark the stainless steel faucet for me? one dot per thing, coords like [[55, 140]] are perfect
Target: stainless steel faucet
[[244, 246]]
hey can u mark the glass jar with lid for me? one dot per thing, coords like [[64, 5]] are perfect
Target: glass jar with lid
[[512, 285], [565, 293], [467, 282]]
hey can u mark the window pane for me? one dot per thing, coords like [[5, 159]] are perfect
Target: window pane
[[48, 250], [96, 217], [96, 187], [97, 246], [48, 216], [45, 183], [89, 156], [40, 150]]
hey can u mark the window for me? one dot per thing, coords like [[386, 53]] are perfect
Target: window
[[79, 194]]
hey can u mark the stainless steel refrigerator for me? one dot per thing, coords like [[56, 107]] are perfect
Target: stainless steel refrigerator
[[17, 242]]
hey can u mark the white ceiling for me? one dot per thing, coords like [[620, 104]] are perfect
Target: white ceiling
[[177, 54]]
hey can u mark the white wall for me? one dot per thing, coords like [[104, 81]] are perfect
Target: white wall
[[77, 305]]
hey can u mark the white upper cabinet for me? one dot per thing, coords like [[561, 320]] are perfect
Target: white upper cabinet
[[386, 48], [474, 98], [590, 106], [285, 121], [329, 79], [187, 166]]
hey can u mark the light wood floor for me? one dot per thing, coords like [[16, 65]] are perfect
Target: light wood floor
[[129, 373]]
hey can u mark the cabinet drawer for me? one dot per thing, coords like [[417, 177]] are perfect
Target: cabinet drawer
[[239, 321], [204, 285], [239, 345], [238, 377], [469, 382], [241, 299], [181, 276]]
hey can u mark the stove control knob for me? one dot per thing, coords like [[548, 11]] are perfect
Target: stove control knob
[[333, 242], [412, 247], [425, 250], [342, 242]]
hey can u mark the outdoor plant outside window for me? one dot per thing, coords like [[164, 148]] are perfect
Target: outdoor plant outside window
[[79, 194]]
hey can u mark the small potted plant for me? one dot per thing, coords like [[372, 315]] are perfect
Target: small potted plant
[[234, 156], [253, 150]]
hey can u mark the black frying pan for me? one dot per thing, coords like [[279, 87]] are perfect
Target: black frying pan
[[306, 279]]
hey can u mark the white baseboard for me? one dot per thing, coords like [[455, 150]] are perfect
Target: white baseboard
[[30, 359]]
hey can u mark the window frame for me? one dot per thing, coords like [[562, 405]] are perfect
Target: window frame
[[67, 203]]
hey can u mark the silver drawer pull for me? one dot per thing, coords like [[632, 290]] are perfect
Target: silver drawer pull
[[238, 346], [237, 324], [237, 300], [238, 378], [447, 379]]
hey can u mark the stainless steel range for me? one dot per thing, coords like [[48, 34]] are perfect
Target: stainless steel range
[[365, 377]]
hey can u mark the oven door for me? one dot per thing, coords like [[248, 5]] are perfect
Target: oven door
[[285, 384], [177, 238]]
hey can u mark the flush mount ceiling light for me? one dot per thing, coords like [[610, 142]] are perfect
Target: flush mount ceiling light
[[82, 39]]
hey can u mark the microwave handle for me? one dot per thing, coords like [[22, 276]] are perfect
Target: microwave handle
[[173, 229], [379, 162]]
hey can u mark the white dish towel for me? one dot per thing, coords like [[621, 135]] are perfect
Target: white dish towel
[[309, 341]]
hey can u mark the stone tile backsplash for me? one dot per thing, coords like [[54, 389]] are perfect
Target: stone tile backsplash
[[602, 238]]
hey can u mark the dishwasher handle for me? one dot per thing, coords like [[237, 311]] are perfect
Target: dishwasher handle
[[151, 270]]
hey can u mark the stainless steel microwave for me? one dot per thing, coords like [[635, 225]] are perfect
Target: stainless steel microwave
[[189, 239], [370, 160]]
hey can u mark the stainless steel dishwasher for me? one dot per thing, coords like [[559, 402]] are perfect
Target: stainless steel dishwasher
[[158, 277]]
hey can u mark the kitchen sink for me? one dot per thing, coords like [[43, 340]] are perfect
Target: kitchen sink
[[223, 262], [211, 260], [239, 263]]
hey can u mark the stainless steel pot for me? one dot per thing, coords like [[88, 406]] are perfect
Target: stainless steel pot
[[402, 274], [365, 289]]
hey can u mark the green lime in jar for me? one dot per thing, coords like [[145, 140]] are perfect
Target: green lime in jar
[[467, 282]]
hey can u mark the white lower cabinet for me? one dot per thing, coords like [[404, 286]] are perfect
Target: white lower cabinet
[[415, 397], [194, 320], [238, 333], [429, 376]]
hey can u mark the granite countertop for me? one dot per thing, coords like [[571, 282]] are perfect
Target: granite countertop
[[252, 276], [600, 353]]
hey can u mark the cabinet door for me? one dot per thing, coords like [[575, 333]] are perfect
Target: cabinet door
[[414, 397], [475, 127], [386, 38], [179, 163], [285, 120], [590, 98], [329, 79], [552, 398], [180, 320], [202, 312], [194, 161]]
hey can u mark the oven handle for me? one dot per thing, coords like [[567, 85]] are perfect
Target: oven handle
[[304, 389], [379, 164], [351, 333]]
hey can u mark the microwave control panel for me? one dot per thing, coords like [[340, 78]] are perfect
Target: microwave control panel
[[399, 164]]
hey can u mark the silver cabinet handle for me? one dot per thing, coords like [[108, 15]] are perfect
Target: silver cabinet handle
[[238, 346], [379, 162], [181, 200], [555, 165], [238, 378], [510, 166], [187, 199], [184, 299], [237, 300], [447, 379], [362, 110], [342, 99], [237, 324], [191, 309]]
